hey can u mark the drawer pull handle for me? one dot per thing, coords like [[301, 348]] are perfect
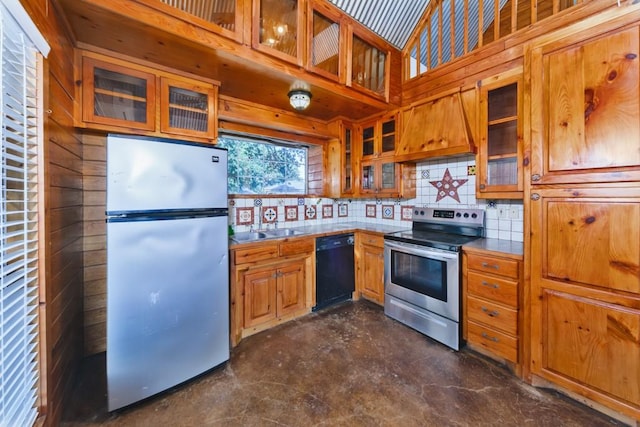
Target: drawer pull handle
[[487, 265], [490, 285], [493, 313], [494, 339]]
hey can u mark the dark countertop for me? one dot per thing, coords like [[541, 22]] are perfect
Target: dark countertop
[[327, 229], [496, 246]]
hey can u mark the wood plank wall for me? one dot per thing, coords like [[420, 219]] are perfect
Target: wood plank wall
[[61, 306], [95, 243]]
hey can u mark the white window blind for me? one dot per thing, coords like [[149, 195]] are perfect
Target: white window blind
[[18, 222]]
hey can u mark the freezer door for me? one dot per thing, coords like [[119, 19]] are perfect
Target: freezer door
[[167, 304], [147, 175]]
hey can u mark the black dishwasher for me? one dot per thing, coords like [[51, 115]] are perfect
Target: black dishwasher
[[334, 270]]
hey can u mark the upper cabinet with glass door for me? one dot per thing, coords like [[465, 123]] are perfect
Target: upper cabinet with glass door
[[499, 157], [278, 29], [326, 42], [369, 67]]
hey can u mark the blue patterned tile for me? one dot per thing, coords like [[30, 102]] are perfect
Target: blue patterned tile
[[257, 202]]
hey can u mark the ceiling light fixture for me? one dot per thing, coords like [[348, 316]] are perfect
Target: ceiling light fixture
[[299, 99]]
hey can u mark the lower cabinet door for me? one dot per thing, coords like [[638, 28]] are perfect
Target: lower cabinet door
[[594, 343], [259, 296], [290, 288]]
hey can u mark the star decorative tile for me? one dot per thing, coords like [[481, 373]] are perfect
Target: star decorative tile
[[448, 186]]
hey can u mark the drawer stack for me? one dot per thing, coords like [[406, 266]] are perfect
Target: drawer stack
[[491, 305]]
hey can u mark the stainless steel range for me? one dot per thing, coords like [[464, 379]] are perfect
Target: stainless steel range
[[422, 271]]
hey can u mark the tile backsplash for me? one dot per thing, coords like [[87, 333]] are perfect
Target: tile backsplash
[[434, 188]]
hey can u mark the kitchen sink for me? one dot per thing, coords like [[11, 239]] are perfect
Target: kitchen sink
[[248, 236], [280, 232]]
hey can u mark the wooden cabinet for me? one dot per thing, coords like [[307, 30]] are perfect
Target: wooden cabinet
[[491, 305], [369, 65], [272, 292], [326, 42], [500, 151], [271, 282], [187, 108], [585, 281], [585, 126], [125, 97], [380, 174], [347, 159], [585, 213], [115, 95], [370, 266], [278, 29]]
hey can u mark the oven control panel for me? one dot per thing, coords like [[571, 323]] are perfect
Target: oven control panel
[[449, 216]]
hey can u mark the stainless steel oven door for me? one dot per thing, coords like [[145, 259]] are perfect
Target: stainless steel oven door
[[425, 277]]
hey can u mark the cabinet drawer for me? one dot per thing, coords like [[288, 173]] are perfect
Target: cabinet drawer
[[500, 290], [500, 266], [372, 239], [255, 253], [496, 342], [494, 315], [297, 246]]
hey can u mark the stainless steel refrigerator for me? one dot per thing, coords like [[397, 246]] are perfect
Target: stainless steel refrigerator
[[167, 265]]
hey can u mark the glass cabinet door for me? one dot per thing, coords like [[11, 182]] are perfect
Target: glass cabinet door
[[278, 28], [116, 95], [388, 180], [368, 178], [187, 109], [347, 158], [388, 136], [324, 45], [368, 66], [500, 152], [368, 140]]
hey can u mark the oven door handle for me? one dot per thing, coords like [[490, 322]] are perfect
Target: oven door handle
[[422, 251]]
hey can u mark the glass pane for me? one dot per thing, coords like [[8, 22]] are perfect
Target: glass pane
[[413, 61], [119, 96], [427, 276], [347, 161], [368, 66], [446, 31], [279, 25], [219, 12], [502, 171], [503, 102], [388, 143], [367, 141], [459, 28], [388, 176], [503, 138], [388, 127], [433, 39], [325, 45], [188, 109], [368, 177]]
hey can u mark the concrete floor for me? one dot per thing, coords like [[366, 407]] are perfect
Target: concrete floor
[[348, 365]]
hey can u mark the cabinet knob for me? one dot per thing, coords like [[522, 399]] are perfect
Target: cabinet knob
[[536, 177], [482, 186], [535, 196]]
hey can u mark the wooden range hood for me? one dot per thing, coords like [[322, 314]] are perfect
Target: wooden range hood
[[440, 127]]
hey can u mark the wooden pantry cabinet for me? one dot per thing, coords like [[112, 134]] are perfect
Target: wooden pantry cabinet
[[271, 282], [584, 204], [492, 299], [122, 96], [370, 266]]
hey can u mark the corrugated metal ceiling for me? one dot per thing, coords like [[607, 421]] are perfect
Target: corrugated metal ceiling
[[393, 20]]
